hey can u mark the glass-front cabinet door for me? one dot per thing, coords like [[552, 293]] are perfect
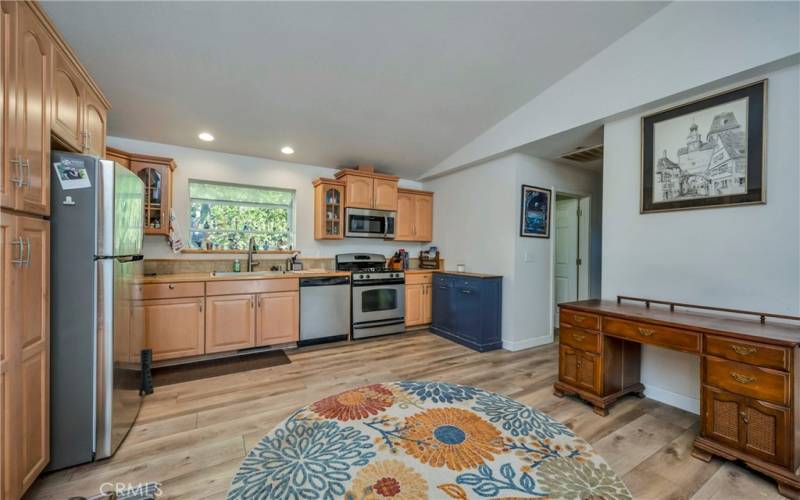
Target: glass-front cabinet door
[[157, 195], [329, 209]]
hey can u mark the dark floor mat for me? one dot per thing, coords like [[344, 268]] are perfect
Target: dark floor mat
[[168, 375]]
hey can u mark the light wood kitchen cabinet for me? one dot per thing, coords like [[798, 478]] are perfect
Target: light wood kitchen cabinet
[[278, 318], [8, 190], [31, 126], [25, 351], [384, 194], [419, 299], [156, 173], [230, 322], [328, 209], [368, 189], [68, 101], [414, 215], [173, 328], [94, 119], [359, 191]]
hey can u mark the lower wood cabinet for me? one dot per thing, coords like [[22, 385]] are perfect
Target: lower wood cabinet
[[418, 305], [579, 368], [173, 328], [24, 352], [755, 427], [230, 322], [278, 318]]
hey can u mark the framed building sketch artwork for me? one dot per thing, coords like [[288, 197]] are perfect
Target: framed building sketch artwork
[[707, 153]]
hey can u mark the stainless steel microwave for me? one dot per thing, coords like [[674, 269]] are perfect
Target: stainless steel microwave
[[364, 223]]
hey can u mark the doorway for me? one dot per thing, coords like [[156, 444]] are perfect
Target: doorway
[[570, 256]]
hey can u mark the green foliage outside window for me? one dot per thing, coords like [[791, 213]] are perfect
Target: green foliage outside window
[[226, 216]]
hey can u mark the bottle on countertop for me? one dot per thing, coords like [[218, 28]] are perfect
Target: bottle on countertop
[[237, 266]]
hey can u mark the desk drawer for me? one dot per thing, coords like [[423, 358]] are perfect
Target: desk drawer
[[580, 319], [644, 333], [579, 339], [751, 353], [747, 380], [172, 290]]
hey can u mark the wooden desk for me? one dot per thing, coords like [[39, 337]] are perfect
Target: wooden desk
[[749, 376]]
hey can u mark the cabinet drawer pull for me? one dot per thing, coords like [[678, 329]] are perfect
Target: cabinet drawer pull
[[646, 332], [200, 303], [21, 244], [742, 379], [578, 336], [745, 419], [743, 350], [172, 286]]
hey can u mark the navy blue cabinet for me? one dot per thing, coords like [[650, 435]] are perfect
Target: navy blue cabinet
[[467, 309]]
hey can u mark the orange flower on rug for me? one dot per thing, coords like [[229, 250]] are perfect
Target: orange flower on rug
[[459, 439], [355, 404], [388, 479]]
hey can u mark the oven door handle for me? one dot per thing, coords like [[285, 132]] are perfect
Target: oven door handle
[[360, 284], [379, 322]]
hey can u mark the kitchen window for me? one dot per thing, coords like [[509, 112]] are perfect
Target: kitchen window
[[225, 216]]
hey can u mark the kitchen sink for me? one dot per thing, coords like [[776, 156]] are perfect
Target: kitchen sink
[[245, 273]]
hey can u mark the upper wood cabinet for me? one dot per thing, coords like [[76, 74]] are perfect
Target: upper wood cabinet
[[47, 96], [384, 194], [156, 173], [368, 189], [414, 215], [328, 209], [68, 101]]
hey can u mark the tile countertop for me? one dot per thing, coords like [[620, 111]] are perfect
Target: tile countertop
[[188, 277]]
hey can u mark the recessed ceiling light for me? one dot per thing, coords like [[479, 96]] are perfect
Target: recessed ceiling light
[[287, 150], [205, 136]]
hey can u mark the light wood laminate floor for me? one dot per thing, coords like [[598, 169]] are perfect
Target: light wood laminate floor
[[192, 436]]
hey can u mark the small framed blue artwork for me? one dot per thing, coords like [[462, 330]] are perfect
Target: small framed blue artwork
[[535, 219]]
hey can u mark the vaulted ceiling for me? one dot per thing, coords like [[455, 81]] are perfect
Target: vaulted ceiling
[[398, 84]]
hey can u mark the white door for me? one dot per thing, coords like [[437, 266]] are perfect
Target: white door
[[566, 269]]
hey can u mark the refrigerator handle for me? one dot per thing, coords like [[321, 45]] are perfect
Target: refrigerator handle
[[129, 258]]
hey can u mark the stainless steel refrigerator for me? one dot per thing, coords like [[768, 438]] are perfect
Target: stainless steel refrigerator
[[97, 221]]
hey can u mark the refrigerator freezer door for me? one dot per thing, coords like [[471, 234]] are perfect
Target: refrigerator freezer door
[[120, 218]]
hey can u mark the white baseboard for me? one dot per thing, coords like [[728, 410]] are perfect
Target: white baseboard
[[519, 345], [678, 400]]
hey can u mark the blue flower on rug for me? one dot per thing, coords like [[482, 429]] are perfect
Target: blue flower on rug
[[439, 392], [305, 459], [518, 419]]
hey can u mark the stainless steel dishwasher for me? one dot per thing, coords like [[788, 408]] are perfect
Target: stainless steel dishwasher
[[324, 309]]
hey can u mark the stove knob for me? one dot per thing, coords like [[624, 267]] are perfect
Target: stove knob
[[361, 276]]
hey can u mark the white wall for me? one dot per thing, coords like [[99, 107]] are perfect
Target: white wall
[[683, 46], [743, 257], [476, 222], [207, 165]]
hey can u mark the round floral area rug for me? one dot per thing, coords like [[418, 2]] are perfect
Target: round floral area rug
[[415, 440]]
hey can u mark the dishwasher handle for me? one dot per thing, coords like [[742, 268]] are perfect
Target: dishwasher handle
[[334, 280]]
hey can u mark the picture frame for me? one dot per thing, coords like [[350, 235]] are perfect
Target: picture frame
[[536, 206], [706, 153]]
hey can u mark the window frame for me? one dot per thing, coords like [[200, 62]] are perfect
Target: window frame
[[290, 216]]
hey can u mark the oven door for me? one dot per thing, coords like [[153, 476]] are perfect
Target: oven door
[[363, 223], [378, 302]]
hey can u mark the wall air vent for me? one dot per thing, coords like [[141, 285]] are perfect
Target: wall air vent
[[584, 155]]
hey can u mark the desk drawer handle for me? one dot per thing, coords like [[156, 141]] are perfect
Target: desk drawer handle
[[742, 379], [578, 317], [646, 332], [578, 336], [743, 350], [172, 286]]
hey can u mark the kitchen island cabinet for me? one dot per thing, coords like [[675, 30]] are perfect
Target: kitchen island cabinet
[[467, 309]]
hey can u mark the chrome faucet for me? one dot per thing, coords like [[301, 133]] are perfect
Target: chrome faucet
[[251, 249]]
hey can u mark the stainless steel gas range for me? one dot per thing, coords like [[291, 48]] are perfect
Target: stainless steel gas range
[[379, 299]]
